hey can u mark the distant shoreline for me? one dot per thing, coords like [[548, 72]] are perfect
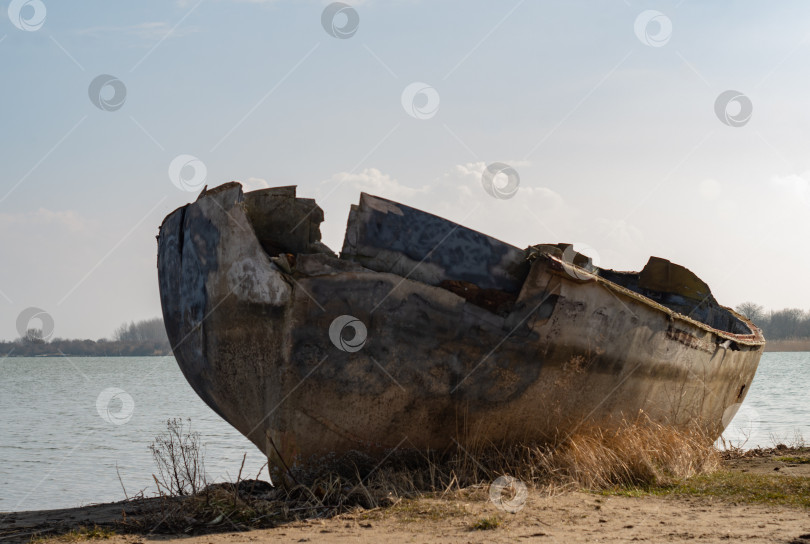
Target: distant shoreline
[[794, 344], [86, 348]]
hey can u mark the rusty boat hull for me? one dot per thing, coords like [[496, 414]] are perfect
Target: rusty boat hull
[[423, 333]]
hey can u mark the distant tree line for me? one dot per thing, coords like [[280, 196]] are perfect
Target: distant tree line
[[143, 338], [784, 324], [142, 331]]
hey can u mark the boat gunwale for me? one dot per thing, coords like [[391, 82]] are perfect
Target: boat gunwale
[[581, 275]]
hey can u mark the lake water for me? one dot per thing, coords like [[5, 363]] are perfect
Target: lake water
[[67, 423], [57, 451]]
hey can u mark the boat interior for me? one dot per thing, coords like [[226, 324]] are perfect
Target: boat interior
[[386, 236]]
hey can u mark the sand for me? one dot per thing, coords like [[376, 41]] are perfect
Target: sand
[[567, 517]]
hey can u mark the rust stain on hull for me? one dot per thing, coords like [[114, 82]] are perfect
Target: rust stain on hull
[[462, 331]]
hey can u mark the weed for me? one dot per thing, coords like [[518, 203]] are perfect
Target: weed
[[179, 458], [486, 524], [794, 460], [742, 487]]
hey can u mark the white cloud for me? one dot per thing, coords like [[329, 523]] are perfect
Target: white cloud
[[710, 189], [533, 215], [619, 242], [375, 182], [796, 185], [254, 184], [466, 180]]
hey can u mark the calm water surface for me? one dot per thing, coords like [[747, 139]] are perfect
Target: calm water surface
[[57, 451]]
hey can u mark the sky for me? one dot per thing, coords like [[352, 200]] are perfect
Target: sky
[[674, 129]]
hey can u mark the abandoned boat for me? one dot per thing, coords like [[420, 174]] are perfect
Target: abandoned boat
[[424, 332]]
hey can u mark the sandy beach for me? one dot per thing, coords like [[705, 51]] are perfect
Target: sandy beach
[[763, 497]]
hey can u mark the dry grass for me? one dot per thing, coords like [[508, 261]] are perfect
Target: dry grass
[[638, 453]]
